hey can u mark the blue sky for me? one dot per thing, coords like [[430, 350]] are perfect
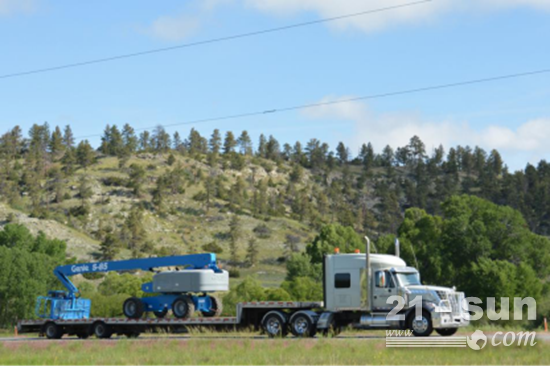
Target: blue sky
[[435, 43]]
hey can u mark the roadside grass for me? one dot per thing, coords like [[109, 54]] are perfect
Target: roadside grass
[[249, 351]]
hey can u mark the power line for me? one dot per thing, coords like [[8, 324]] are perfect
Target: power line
[[349, 100], [209, 41]]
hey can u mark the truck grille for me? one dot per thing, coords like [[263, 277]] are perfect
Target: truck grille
[[453, 299]]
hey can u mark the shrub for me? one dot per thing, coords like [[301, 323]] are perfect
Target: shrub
[[262, 231], [213, 247]]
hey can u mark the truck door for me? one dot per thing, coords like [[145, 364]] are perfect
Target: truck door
[[384, 287]]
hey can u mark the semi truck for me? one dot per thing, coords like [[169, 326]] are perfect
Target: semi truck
[[360, 290]]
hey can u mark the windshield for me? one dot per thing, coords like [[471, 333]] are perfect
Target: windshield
[[406, 279]]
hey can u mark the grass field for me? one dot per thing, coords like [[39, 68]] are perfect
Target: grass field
[[250, 351]]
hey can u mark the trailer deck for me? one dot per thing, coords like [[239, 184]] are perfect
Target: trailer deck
[[248, 314]]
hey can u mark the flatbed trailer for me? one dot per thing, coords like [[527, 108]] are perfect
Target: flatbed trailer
[[257, 315]]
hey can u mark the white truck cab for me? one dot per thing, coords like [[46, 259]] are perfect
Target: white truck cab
[[358, 287]]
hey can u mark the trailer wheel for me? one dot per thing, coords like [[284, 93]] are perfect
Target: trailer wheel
[[183, 307], [53, 331], [133, 308], [216, 309], [422, 327], [275, 324], [102, 330], [302, 325], [446, 332]]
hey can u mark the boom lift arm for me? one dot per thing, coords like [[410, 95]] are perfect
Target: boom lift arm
[[195, 261], [199, 273]]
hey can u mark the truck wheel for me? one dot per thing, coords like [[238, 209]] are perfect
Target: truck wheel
[[302, 325], [275, 325], [216, 309], [53, 331], [102, 330], [160, 314], [183, 307], [133, 308], [422, 327], [446, 332]]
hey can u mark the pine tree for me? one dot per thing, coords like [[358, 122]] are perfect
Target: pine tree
[[56, 143], [342, 152], [129, 139], [109, 247], [159, 194], [84, 154], [215, 142], [69, 161], [84, 189], [262, 146], [177, 143], [245, 143], [229, 143], [235, 233], [144, 141], [252, 252], [135, 234], [161, 139], [137, 179], [68, 137]]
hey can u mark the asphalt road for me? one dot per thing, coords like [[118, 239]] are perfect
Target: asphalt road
[[540, 336]]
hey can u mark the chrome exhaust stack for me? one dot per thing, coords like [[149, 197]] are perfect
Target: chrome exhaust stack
[[367, 286], [397, 247]]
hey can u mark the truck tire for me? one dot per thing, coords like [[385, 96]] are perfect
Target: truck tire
[[183, 307], [102, 330], [446, 332], [217, 307], [303, 325], [133, 308], [53, 331], [422, 327], [274, 324]]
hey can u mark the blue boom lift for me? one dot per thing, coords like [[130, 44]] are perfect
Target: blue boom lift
[[174, 290]]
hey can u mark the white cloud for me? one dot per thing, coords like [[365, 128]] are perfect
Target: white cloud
[[8, 7], [416, 14], [530, 142], [174, 28]]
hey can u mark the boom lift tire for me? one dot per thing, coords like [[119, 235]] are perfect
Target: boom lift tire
[[133, 308], [183, 307], [217, 307]]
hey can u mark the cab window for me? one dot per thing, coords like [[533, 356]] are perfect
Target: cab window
[[342, 280], [384, 279]]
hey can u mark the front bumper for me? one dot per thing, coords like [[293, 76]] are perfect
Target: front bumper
[[448, 320]]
